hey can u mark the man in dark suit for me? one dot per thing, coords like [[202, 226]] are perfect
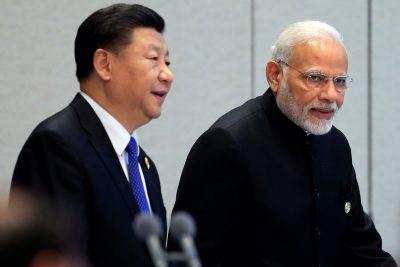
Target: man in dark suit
[[271, 183], [85, 160]]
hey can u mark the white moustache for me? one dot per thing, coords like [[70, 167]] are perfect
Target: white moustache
[[323, 106]]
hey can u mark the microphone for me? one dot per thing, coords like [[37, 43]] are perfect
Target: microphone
[[183, 229], [148, 227]]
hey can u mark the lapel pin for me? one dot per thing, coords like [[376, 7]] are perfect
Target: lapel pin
[[147, 162], [347, 207]]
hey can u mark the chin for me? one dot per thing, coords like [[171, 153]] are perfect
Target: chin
[[154, 114], [319, 127]]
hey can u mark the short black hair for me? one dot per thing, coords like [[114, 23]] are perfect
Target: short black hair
[[111, 28]]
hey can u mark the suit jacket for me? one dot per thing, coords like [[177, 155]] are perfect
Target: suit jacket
[[70, 162], [263, 193]]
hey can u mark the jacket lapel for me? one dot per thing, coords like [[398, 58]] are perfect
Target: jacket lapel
[[102, 145], [153, 188], [149, 171]]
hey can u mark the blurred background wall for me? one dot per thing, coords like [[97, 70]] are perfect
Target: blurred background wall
[[218, 51]]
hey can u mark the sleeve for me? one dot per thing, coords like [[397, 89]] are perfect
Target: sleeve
[[211, 191], [49, 169], [363, 244]]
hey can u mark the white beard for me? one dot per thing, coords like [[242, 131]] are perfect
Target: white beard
[[299, 115]]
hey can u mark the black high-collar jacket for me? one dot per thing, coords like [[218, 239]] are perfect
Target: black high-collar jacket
[[263, 193]]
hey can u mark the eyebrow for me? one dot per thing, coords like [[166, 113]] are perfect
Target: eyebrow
[[317, 71], [158, 48]]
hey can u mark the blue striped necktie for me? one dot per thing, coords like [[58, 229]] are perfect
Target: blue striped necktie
[[134, 177]]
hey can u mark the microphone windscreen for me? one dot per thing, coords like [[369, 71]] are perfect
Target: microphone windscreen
[[182, 224], [146, 225]]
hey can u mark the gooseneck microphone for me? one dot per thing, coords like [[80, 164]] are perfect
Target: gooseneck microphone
[[183, 229], [148, 227]]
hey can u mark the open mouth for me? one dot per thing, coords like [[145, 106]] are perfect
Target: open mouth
[[323, 113], [161, 95], [323, 110]]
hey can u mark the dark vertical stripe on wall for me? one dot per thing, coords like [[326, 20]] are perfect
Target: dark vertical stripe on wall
[[369, 107], [252, 48]]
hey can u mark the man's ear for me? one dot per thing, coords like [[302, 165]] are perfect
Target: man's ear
[[102, 64], [274, 75]]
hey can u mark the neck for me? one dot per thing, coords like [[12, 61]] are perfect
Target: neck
[[97, 91]]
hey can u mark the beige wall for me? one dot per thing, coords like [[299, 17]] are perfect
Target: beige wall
[[218, 52]]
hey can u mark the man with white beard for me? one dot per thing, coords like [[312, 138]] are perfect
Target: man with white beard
[[271, 183]]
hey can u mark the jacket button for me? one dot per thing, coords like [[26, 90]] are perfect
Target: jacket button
[[317, 231]]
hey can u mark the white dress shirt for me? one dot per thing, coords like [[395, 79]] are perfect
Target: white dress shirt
[[119, 137]]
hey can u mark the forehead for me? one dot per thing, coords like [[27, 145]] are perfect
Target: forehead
[[322, 54], [148, 39]]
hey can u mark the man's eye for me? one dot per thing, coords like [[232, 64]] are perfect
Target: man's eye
[[315, 77], [340, 81]]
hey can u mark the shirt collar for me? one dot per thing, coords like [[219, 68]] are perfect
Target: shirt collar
[[118, 135]]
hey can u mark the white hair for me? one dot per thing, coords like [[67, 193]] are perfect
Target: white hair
[[302, 32]]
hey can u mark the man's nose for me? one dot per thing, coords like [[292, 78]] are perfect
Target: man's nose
[[166, 74], [329, 91]]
